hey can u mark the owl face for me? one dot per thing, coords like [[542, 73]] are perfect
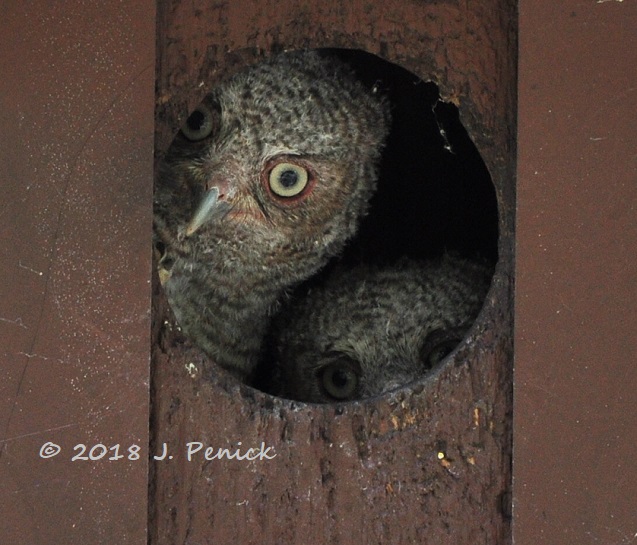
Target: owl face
[[284, 154], [265, 182], [367, 331], [369, 367]]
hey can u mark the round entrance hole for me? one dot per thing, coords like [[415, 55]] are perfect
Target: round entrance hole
[[414, 275]]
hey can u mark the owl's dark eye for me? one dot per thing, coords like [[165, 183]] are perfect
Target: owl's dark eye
[[438, 346], [288, 180], [199, 124], [339, 379], [440, 352]]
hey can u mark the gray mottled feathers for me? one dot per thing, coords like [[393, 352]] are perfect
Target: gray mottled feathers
[[368, 330], [265, 183]]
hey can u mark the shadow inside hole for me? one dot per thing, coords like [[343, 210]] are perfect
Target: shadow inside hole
[[435, 193]]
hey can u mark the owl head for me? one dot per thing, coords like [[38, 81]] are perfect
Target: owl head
[[274, 169], [368, 330]]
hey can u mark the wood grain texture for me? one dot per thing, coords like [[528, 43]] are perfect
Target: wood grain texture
[[76, 133], [576, 295], [426, 464]]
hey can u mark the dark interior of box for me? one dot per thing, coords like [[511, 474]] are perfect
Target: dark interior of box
[[435, 193]]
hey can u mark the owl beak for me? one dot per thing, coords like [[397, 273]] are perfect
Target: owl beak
[[210, 207]]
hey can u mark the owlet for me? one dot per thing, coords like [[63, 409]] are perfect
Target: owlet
[[265, 182], [367, 330]]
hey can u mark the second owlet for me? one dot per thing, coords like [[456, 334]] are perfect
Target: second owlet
[[265, 183], [368, 330]]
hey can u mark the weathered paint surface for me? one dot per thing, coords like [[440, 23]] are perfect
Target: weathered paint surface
[[426, 465], [575, 471], [76, 123]]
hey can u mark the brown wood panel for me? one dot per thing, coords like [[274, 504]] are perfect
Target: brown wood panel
[[575, 475], [76, 129], [429, 464]]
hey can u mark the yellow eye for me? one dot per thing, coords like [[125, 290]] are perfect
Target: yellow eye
[[199, 124], [288, 179]]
